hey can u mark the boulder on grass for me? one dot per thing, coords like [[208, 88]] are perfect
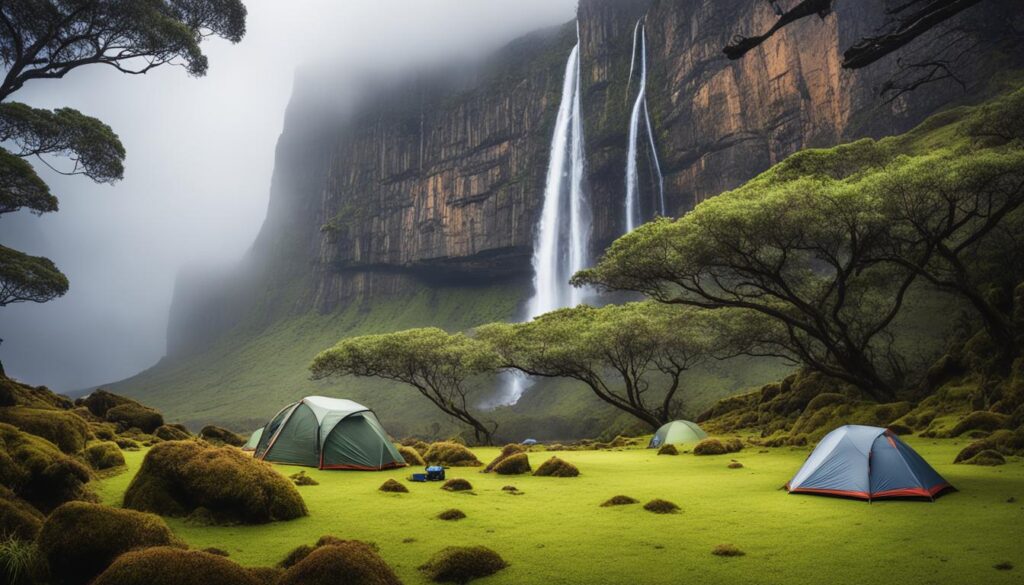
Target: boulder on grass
[[178, 478], [350, 562], [450, 454], [79, 540], [221, 436], [175, 566], [103, 455], [556, 467], [38, 472], [68, 431], [462, 564]]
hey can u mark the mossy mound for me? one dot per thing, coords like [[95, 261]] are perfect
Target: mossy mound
[[556, 467], [79, 540], [179, 477], [301, 478], [295, 555], [619, 501], [506, 452], [350, 562], [103, 455], [988, 458], [171, 433], [132, 415], [393, 486], [659, 506], [451, 514], [727, 550], [713, 446], [126, 444], [668, 449], [175, 566], [450, 454], [735, 465], [980, 420], [1004, 442], [462, 564], [63, 428], [18, 518], [513, 465], [14, 393], [457, 485], [266, 575], [37, 471], [99, 402], [221, 436], [411, 456]]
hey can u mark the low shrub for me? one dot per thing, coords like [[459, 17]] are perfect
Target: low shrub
[[457, 485], [19, 562], [619, 501], [727, 550], [103, 455], [132, 415], [450, 454], [301, 478], [514, 465], [64, 429], [221, 436], [452, 514], [18, 518], [668, 449], [506, 452], [393, 486], [37, 471], [350, 562], [171, 433], [178, 477], [556, 467], [659, 506], [175, 566], [411, 456], [462, 564], [79, 540]]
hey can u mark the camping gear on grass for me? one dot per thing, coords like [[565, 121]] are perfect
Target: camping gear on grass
[[433, 473], [867, 463], [676, 432], [328, 433], [530, 442], [254, 440]]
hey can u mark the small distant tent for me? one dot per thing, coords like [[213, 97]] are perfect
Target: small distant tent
[[327, 433], [866, 463], [675, 432], [254, 440]]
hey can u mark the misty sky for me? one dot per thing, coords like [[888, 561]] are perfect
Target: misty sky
[[200, 157]]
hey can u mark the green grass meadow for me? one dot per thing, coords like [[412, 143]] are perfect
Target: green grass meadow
[[556, 532]]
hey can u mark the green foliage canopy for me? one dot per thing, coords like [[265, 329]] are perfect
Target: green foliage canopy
[[28, 278]]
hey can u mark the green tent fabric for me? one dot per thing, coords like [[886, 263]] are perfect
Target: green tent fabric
[[254, 440], [676, 432], [328, 433]]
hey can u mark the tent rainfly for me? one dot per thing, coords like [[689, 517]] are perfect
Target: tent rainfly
[[675, 432], [866, 463], [254, 439], [327, 433]]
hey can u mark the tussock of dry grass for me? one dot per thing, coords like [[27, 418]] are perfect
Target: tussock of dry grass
[[451, 454], [394, 487]]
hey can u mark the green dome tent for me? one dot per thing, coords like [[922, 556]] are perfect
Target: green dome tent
[[254, 439], [675, 432], [327, 433]]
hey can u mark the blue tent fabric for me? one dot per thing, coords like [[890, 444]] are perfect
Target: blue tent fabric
[[867, 463]]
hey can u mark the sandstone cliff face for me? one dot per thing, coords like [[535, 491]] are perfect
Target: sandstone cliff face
[[440, 180]]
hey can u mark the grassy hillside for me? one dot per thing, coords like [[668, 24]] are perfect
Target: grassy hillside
[[543, 533]]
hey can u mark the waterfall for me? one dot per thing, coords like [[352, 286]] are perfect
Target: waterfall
[[562, 238], [633, 210]]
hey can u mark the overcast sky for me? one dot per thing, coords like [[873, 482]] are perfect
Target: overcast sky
[[200, 157]]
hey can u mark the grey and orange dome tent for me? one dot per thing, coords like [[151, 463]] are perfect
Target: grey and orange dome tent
[[867, 463], [327, 433]]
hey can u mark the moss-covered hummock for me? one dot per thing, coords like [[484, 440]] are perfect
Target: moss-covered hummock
[[450, 454], [659, 506], [506, 452], [68, 431], [462, 564], [516, 464], [451, 514], [713, 446], [37, 471], [457, 485], [411, 455], [668, 449], [178, 478], [132, 415], [172, 433], [103, 455], [393, 486], [79, 540], [175, 566], [18, 518], [221, 436], [619, 501], [556, 467], [350, 562]]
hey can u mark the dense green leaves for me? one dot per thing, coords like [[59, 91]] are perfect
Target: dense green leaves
[[21, 187], [28, 278], [437, 364]]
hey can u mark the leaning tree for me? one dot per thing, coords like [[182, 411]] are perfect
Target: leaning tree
[[439, 365], [47, 39], [633, 356]]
